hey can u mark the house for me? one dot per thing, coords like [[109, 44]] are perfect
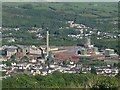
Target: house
[[86, 69], [44, 72], [107, 71], [42, 61], [38, 72], [13, 64], [23, 49], [34, 50]]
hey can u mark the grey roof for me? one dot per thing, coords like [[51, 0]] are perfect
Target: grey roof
[[10, 49]]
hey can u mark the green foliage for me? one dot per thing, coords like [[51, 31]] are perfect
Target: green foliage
[[60, 80], [8, 63], [3, 73], [106, 83], [98, 63], [26, 6], [118, 65], [93, 70], [56, 14]]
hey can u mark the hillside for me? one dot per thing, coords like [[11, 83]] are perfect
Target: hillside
[[97, 17]]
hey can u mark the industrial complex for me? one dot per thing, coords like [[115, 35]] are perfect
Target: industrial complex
[[45, 59]]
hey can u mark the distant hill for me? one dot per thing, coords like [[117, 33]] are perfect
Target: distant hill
[[54, 15]]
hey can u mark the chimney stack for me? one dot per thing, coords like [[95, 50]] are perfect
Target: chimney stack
[[47, 43]]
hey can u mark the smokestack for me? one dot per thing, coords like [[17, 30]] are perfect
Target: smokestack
[[88, 41], [47, 43]]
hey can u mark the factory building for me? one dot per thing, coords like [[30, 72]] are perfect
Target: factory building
[[95, 49], [34, 50], [8, 51], [84, 52], [24, 49], [109, 52], [64, 56]]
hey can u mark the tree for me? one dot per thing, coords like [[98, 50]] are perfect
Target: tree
[[93, 70], [105, 83]]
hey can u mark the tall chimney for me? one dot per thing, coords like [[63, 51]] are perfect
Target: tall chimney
[[47, 43], [88, 41]]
